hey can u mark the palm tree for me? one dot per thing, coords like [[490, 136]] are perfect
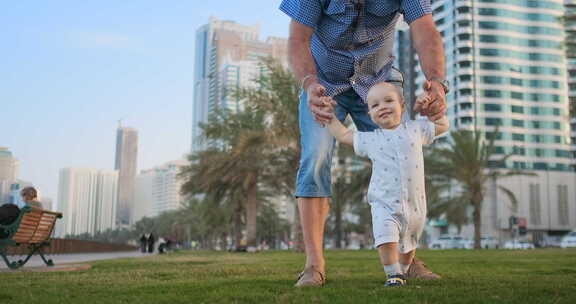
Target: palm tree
[[218, 200], [350, 180], [144, 225], [276, 94], [233, 166], [206, 220], [271, 227], [467, 162], [350, 184], [254, 149], [339, 201], [440, 206]]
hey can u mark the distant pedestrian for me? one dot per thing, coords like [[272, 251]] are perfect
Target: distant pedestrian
[[161, 245], [143, 243], [151, 241]]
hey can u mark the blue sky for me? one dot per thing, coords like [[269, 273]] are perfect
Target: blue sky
[[69, 70]]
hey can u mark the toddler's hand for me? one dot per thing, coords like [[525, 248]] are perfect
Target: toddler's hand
[[422, 103], [329, 103]]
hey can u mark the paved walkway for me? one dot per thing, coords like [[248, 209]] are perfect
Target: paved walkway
[[36, 261]]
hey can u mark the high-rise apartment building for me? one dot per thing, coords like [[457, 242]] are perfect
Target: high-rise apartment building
[[570, 43], [158, 189], [87, 200], [126, 165], [143, 197], [227, 55], [4, 191], [8, 173], [506, 63], [406, 61], [8, 165]]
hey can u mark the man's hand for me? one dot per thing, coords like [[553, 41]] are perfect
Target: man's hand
[[436, 107], [322, 112], [422, 103], [430, 48]]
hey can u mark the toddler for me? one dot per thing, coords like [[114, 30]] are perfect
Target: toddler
[[396, 191]]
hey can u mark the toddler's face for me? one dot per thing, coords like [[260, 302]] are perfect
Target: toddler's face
[[385, 105]]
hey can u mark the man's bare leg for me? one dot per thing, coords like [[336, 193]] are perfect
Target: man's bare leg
[[313, 213]]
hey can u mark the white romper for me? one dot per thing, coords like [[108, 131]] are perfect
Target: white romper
[[396, 192]]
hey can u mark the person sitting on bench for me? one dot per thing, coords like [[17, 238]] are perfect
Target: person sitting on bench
[[30, 197], [9, 212]]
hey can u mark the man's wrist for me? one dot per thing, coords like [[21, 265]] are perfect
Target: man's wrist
[[309, 80], [442, 82]]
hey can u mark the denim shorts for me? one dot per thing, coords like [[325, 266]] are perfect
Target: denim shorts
[[314, 174]]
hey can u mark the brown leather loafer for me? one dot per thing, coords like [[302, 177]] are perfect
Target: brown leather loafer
[[418, 270], [311, 277]]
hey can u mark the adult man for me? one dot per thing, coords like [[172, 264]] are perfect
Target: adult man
[[341, 48]]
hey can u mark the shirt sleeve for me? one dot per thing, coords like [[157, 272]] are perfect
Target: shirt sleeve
[[414, 9], [307, 12], [427, 131], [360, 142]]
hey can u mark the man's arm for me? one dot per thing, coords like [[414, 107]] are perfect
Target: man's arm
[[430, 48], [304, 68], [299, 53]]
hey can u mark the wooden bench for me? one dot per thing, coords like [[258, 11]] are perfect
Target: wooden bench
[[32, 228]]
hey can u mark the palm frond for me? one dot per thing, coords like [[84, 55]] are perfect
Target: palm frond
[[511, 197]]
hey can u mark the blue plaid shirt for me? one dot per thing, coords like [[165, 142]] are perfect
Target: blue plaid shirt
[[353, 40]]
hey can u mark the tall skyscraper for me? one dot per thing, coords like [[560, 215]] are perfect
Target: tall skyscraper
[[87, 200], [8, 173], [143, 196], [505, 60], [227, 55], [158, 189], [8, 165], [406, 60], [570, 43], [126, 165]]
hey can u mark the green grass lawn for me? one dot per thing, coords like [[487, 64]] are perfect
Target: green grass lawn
[[487, 276]]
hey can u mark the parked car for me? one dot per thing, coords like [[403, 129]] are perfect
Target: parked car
[[488, 242], [442, 242], [568, 240], [518, 245], [448, 242], [468, 244], [459, 242]]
